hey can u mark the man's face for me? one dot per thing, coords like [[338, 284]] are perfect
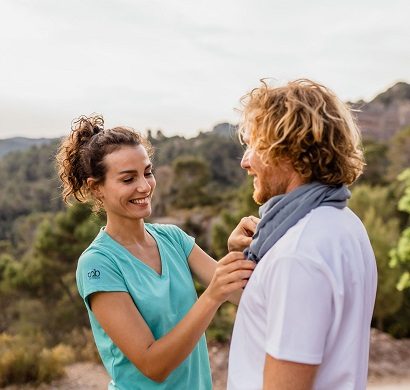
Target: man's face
[[268, 180]]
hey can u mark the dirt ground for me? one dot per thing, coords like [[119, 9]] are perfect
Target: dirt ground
[[389, 368]]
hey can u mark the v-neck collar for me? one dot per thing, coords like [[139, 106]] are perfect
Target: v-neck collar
[[139, 262]]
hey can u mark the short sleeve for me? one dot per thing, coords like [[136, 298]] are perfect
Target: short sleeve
[[96, 272], [299, 300], [185, 241]]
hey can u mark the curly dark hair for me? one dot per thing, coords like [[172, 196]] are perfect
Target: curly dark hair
[[81, 155]]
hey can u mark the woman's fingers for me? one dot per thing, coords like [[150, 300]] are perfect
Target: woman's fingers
[[232, 257], [241, 236], [236, 270], [237, 276], [231, 274], [248, 224]]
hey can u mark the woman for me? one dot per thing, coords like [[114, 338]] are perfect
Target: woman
[[135, 278]]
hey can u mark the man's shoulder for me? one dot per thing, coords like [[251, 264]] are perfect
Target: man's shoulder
[[324, 230], [326, 222]]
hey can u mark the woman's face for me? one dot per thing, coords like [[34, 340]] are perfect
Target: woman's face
[[129, 183]]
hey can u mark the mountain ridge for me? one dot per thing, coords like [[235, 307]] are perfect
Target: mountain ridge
[[15, 144], [379, 119]]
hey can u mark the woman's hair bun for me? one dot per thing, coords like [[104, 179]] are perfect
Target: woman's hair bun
[[84, 128]]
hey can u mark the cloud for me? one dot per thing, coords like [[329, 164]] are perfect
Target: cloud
[[182, 65]]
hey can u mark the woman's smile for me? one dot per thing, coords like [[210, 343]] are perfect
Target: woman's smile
[[141, 201]]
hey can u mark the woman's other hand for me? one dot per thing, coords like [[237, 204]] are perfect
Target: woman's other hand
[[241, 236]]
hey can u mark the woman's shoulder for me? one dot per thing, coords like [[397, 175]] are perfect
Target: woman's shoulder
[[163, 228], [99, 249], [171, 233]]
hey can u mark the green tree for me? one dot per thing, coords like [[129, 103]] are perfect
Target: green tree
[[376, 163], [241, 205], [190, 179], [45, 277], [399, 153], [378, 214], [28, 184], [400, 255]]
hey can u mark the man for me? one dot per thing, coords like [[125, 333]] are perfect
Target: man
[[304, 318]]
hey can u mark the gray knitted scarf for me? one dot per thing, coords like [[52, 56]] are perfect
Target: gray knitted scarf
[[282, 212]]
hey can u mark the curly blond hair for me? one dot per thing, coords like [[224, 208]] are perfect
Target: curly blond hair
[[306, 124]]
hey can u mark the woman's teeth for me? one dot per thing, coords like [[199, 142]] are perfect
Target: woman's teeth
[[140, 201]]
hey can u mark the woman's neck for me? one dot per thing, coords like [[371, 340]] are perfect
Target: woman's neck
[[127, 232]]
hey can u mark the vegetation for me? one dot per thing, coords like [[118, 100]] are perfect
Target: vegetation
[[400, 255], [202, 188], [380, 218], [22, 361]]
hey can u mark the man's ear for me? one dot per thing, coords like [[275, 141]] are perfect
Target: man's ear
[[286, 164], [94, 187]]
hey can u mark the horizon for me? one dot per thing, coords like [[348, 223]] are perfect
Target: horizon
[[191, 134], [182, 67]]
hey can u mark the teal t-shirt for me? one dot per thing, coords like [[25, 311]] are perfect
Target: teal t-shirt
[[163, 300]]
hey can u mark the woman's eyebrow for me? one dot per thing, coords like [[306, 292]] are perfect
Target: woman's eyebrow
[[134, 170], [127, 171]]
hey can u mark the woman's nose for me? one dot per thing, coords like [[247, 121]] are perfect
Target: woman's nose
[[143, 185]]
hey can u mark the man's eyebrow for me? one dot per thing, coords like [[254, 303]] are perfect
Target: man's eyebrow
[[134, 170]]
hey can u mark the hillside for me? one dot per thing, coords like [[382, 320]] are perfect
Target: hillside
[[386, 114], [20, 143], [30, 183]]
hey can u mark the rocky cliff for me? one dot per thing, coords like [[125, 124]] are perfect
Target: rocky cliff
[[386, 114]]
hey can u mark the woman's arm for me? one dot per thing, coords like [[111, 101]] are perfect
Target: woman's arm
[[203, 268], [121, 320]]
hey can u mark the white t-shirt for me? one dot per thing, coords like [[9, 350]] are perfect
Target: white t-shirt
[[310, 300]]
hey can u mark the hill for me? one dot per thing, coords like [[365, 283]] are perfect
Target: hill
[[20, 143], [378, 119], [381, 118], [30, 183]]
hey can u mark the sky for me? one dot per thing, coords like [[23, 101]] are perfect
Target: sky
[[181, 66]]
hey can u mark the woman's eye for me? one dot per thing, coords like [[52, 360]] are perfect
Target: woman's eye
[[129, 180], [149, 173]]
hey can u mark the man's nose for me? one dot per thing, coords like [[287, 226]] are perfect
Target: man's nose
[[245, 160]]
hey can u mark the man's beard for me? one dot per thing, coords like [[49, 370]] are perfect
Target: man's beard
[[265, 191]]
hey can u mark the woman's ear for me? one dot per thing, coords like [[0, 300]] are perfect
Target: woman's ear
[[94, 188]]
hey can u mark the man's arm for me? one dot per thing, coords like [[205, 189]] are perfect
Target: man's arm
[[285, 375]]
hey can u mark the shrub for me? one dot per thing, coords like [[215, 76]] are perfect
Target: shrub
[[25, 360], [82, 343], [221, 326]]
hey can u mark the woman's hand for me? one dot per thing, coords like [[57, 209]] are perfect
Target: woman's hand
[[241, 236], [231, 274]]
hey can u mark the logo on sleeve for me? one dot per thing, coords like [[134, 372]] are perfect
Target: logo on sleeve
[[94, 274]]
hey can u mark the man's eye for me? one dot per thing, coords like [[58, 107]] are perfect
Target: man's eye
[[149, 173]]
